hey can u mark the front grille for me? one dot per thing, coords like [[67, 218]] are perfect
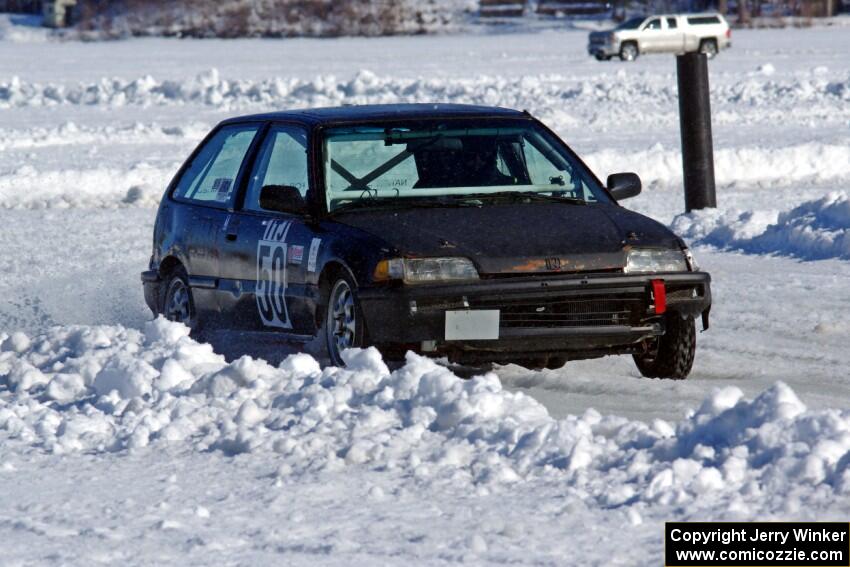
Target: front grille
[[559, 312]]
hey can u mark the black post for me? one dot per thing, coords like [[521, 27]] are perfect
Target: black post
[[695, 123]]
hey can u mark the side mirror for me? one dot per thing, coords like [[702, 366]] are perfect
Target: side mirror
[[623, 185], [282, 198]]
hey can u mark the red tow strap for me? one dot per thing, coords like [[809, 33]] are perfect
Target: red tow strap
[[659, 294]]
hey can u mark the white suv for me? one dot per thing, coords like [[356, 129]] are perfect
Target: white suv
[[706, 33]]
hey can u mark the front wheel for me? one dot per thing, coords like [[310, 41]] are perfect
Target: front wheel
[[628, 52], [344, 325], [708, 47], [672, 356]]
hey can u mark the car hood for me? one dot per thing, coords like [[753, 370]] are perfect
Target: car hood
[[516, 239]]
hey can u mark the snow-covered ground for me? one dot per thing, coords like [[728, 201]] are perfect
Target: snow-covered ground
[[123, 440]]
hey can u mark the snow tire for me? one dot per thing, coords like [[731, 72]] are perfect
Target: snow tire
[[673, 356]]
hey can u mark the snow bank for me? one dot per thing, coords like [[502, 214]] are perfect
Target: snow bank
[[142, 183], [815, 230], [537, 92], [106, 389], [20, 28], [44, 183], [71, 133], [811, 162], [139, 185]]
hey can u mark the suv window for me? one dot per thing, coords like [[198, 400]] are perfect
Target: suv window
[[211, 177], [671, 23], [654, 24], [703, 20], [631, 24], [282, 161]]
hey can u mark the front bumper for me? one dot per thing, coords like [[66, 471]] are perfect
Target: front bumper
[[573, 314], [150, 283], [605, 49]]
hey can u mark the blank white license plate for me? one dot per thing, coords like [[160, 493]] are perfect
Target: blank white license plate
[[480, 325]]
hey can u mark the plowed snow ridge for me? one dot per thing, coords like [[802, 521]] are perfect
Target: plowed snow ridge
[[142, 184], [71, 133], [538, 92], [815, 230], [98, 389]]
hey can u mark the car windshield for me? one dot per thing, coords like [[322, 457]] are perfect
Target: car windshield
[[451, 162], [631, 24]]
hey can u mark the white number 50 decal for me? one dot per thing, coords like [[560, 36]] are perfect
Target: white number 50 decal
[[271, 276]]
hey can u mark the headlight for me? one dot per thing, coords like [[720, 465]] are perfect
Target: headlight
[[643, 260], [692, 262], [426, 270]]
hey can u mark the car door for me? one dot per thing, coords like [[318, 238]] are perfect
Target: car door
[[674, 35], [201, 198], [266, 254], [652, 36]]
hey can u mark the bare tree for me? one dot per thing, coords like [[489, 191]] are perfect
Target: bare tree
[[743, 12]]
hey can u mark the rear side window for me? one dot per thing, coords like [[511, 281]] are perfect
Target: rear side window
[[703, 20], [671, 23], [211, 177], [282, 161]]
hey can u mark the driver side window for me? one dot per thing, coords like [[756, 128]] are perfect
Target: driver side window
[[541, 171], [654, 24], [282, 161]]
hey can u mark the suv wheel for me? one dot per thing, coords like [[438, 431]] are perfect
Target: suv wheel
[[709, 47], [628, 51], [178, 304], [344, 325], [673, 355]]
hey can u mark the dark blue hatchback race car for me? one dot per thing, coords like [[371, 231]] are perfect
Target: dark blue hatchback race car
[[464, 232]]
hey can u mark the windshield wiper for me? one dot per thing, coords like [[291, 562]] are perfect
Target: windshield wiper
[[447, 201], [377, 203], [516, 195]]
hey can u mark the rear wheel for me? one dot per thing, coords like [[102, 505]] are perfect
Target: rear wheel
[[709, 47], [673, 354], [178, 304], [628, 51], [344, 325]]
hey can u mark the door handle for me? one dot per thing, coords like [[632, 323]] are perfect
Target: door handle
[[231, 228]]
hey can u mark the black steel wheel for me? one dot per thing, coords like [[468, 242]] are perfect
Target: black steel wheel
[[672, 356]]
